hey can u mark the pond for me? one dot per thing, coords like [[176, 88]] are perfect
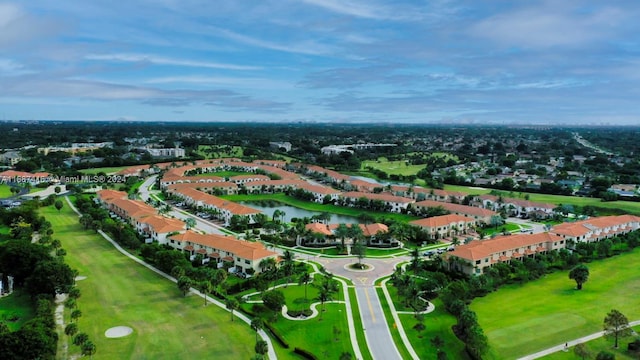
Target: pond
[[268, 208]]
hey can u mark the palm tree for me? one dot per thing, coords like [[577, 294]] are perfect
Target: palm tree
[[287, 258], [305, 278], [341, 232], [80, 339], [257, 324], [205, 288], [75, 315], [71, 329], [232, 304], [261, 348], [325, 291], [88, 348], [190, 222]]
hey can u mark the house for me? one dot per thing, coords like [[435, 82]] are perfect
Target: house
[[320, 192], [476, 256], [445, 226], [370, 232], [597, 228], [224, 209], [479, 214], [10, 158], [245, 256], [22, 177]]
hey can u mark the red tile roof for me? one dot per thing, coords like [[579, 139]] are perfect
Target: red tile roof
[[443, 220]]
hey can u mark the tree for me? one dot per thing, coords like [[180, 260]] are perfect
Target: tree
[[190, 222], [341, 232], [205, 288], [261, 347], [580, 274], [616, 325], [58, 205], [605, 355], [75, 315], [71, 329], [360, 250], [184, 284], [305, 278], [88, 348], [287, 259], [582, 351], [232, 304], [257, 324], [437, 342], [273, 300], [80, 339]]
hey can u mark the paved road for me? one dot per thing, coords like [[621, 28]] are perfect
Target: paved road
[[376, 330], [536, 227], [201, 224]]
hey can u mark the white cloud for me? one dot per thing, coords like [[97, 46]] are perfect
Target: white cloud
[[548, 26], [159, 60]]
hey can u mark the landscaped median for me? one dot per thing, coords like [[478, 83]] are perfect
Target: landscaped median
[[437, 323], [120, 292]]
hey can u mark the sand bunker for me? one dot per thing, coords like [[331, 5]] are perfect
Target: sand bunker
[[78, 278], [118, 331]]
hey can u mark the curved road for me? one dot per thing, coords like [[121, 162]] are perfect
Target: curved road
[[377, 333]]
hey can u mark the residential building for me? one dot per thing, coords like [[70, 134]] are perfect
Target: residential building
[[446, 226], [479, 214], [244, 255], [597, 228], [476, 256], [391, 202]]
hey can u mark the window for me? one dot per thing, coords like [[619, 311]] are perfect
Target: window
[[477, 261], [486, 260], [247, 262]]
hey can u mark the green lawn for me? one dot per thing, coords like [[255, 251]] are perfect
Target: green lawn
[[219, 151], [5, 191], [320, 208], [627, 206], [399, 167], [15, 310], [106, 170], [597, 345], [438, 323], [118, 291], [549, 311]]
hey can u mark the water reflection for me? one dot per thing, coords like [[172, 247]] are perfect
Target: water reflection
[[268, 208]]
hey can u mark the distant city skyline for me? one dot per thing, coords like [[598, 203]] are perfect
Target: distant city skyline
[[352, 61]]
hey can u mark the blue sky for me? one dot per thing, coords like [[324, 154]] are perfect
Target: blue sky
[[529, 62]]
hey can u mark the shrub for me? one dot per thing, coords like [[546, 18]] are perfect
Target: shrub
[[305, 354]]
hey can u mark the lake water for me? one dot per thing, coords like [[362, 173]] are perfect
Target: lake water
[[294, 212]]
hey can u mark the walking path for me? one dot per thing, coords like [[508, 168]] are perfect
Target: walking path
[[263, 335], [571, 343]]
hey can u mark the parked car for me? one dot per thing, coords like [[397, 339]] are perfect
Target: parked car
[[429, 253]]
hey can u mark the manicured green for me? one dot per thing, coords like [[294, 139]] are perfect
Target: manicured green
[[510, 227], [16, 309], [399, 167], [316, 335], [524, 319], [320, 208], [438, 322], [106, 170], [118, 291], [219, 151], [5, 191], [595, 346]]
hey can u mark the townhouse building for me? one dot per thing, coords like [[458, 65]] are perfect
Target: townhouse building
[[245, 256], [446, 226], [479, 214], [478, 255], [597, 228], [224, 209]]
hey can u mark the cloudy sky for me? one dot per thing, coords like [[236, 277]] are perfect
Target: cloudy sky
[[533, 62]]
